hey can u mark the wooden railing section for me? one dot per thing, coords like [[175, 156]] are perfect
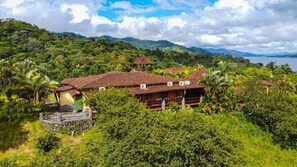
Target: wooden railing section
[[156, 104]]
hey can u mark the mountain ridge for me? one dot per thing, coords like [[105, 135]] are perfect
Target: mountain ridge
[[169, 46]]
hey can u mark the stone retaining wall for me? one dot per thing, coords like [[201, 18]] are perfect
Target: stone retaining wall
[[68, 126], [67, 122]]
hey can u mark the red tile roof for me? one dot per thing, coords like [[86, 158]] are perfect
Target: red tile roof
[[118, 79], [81, 82], [74, 92], [64, 88], [162, 88], [197, 75], [269, 83], [142, 60], [173, 69]]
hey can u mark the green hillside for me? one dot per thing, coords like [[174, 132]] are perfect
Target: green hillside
[[257, 149], [246, 117], [161, 44], [65, 55]]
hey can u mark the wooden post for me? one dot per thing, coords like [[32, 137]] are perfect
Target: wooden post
[[201, 98], [59, 117], [183, 102], [163, 104], [41, 116], [184, 99]]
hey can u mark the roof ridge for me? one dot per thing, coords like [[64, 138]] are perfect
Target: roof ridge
[[101, 76]]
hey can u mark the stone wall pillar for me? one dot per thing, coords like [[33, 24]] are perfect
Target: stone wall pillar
[[90, 113], [41, 116], [59, 117]]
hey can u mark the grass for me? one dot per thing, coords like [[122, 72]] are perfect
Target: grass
[[17, 140], [258, 146]]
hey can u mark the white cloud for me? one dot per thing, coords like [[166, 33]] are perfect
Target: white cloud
[[126, 8], [246, 25], [242, 5], [79, 12], [12, 3], [95, 20], [176, 22], [209, 39]]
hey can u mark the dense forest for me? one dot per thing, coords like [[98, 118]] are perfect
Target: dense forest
[[241, 121]]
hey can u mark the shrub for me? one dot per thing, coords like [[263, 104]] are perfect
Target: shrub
[[65, 157], [275, 111], [12, 110], [8, 163], [135, 136], [47, 142]]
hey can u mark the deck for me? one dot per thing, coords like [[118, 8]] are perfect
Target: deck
[[156, 104]]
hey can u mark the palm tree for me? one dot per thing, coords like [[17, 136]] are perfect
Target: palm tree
[[216, 89], [216, 85], [34, 83], [272, 66]]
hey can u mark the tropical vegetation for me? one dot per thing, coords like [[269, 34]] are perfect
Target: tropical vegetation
[[241, 121]]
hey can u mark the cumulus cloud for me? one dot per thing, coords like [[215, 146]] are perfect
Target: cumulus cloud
[[258, 26], [79, 12]]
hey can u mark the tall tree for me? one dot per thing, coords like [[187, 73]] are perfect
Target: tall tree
[[219, 92], [34, 83]]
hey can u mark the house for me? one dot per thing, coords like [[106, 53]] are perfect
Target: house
[[155, 91]]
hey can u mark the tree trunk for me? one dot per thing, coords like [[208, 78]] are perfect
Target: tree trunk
[[37, 98]]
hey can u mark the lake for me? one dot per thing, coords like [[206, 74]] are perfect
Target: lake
[[279, 60]]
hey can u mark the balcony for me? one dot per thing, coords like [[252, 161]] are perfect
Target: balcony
[[156, 104]]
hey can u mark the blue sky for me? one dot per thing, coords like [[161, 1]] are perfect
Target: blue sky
[[257, 26]]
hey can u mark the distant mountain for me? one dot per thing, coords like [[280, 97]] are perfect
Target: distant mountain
[[69, 33], [294, 55], [168, 46], [152, 45], [231, 52]]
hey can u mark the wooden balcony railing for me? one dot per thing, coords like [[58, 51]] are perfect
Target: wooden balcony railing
[[156, 104]]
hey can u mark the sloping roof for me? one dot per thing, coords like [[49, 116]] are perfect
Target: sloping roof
[[74, 92], [173, 69], [64, 88], [118, 79], [196, 76], [81, 82], [269, 83], [162, 88], [142, 60]]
